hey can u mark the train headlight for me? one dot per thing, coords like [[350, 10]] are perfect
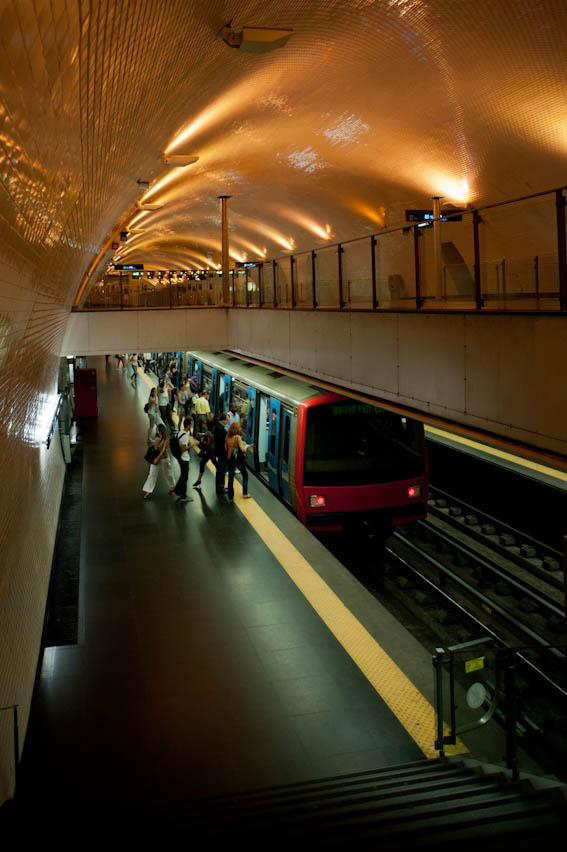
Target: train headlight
[[317, 500], [414, 491]]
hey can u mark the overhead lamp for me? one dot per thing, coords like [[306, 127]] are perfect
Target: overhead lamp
[[255, 39], [179, 159], [136, 230], [141, 206]]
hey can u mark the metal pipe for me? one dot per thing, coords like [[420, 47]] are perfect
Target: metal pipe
[[437, 251], [418, 298], [292, 282], [313, 284], [477, 284], [225, 249], [561, 249], [340, 259], [373, 250]]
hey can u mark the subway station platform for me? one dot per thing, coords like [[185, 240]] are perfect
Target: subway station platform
[[221, 647]]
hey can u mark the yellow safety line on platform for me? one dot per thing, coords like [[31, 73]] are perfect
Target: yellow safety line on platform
[[404, 699], [502, 454], [412, 709]]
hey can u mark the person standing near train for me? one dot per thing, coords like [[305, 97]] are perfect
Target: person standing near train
[[219, 451], [185, 442], [236, 459], [202, 409], [206, 446]]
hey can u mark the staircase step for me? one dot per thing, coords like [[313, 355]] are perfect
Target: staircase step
[[422, 771]]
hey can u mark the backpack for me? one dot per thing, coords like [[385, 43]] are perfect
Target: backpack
[[146, 406], [174, 445]]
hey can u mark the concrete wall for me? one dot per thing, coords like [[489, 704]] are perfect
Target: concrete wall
[[506, 374], [99, 333]]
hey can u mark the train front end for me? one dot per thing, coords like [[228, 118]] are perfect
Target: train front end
[[358, 464]]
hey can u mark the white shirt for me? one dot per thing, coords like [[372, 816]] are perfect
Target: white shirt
[[183, 438], [233, 417]]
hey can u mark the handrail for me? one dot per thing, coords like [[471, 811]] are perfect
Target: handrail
[[14, 708], [276, 283], [487, 704]]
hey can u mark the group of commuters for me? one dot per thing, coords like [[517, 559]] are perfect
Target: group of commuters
[[217, 439]]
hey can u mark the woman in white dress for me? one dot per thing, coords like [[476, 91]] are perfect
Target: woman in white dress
[[161, 444]]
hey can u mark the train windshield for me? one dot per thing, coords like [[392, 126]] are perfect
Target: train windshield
[[352, 443]]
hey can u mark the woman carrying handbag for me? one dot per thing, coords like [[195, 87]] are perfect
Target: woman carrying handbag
[[160, 460]]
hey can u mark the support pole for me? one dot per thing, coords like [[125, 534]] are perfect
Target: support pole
[[561, 248], [226, 300], [437, 251]]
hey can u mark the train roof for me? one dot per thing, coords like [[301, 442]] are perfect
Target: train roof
[[279, 384]]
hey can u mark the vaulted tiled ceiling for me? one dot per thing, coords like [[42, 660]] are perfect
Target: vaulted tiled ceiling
[[371, 107]]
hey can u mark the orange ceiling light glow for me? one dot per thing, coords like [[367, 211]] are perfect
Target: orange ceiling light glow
[[169, 178], [302, 219], [451, 189], [377, 215], [233, 101]]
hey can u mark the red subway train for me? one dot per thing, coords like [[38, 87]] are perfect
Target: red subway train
[[333, 460]]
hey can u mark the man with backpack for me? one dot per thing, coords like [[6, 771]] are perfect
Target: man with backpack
[[180, 445]]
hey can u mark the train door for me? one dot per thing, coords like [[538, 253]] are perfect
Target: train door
[[213, 400], [251, 426], [286, 443], [273, 445], [199, 373], [221, 389], [263, 432], [190, 366]]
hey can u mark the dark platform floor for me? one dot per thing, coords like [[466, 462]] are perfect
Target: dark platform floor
[[200, 667]]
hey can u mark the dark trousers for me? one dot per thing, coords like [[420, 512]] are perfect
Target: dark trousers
[[221, 471], [165, 411], [232, 467], [205, 457], [181, 484]]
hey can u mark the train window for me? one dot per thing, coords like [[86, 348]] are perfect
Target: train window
[[273, 429], [287, 431], [351, 443]]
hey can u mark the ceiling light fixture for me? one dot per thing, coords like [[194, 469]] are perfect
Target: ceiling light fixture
[[141, 206], [179, 159], [255, 39]]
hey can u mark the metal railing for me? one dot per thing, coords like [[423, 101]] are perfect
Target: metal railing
[[481, 686], [509, 256]]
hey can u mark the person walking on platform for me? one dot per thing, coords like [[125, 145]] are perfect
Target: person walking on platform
[[153, 412], [202, 409], [161, 444], [219, 451], [119, 359], [206, 444], [133, 361], [236, 456], [164, 406], [185, 444]]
